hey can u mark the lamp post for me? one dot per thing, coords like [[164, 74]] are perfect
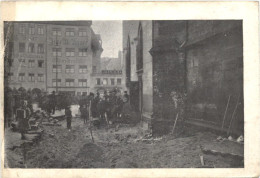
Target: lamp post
[[56, 62]]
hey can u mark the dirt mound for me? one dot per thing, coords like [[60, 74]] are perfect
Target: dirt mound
[[90, 151]]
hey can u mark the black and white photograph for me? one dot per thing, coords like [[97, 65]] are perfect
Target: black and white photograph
[[123, 94]]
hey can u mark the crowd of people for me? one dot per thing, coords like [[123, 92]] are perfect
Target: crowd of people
[[107, 106]]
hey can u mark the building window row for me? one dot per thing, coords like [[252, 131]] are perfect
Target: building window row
[[68, 32], [31, 48], [70, 82], [105, 81], [70, 52], [69, 68], [32, 63], [32, 29], [31, 77], [111, 71]]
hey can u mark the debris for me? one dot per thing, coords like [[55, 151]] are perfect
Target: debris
[[233, 115], [224, 118], [51, 135], [240, 139], [230, 138], [219, 138], [202, 160], [175, 123], [51, 124], [117, 127]]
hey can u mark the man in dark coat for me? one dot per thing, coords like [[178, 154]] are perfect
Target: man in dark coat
[[23, 113], [53, 102], [94, 108], [68, 117], [126, 97], [84, 113]]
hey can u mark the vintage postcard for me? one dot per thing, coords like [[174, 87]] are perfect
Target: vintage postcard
[[130, 89]]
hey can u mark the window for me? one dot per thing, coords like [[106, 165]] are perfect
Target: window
[[94, 69], [69, 69], [56, 51], [31, 48], [40, 30], [40, 48], [21, 77], [31, 63], [69, 32], [58, 82], [69, 82], [98, 82], [40, 78], [105, 81], [112, 81], [82, 82], [31, 77], [31, 29], [82, 33], [195, 62], [83, 52], [56, 32], [22, 62], [22, 29], [40, 63], [69, 52], [119, 81], [56, 68], [11, 76], [21, 47], [83, 68]]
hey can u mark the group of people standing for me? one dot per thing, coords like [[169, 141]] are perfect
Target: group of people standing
[[107, 106]]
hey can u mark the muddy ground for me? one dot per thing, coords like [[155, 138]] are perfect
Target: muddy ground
[[115, 147]]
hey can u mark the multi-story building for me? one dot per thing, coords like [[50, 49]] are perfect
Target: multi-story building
[[54, 56], [110, 75], [72, 51], [27, 48], [108, 80]]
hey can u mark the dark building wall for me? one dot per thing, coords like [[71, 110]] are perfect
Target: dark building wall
[[215, 71], [168, 72], [203, 59]]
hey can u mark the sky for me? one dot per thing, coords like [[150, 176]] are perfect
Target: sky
[[111, 35]]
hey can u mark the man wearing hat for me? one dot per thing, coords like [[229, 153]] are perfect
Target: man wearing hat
[[84, 113]]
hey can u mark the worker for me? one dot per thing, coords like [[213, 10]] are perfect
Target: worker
[[23, 113], [68, 116], [84, 113]]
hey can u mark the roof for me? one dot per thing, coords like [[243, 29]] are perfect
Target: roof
[[72, 23], [111, 63]]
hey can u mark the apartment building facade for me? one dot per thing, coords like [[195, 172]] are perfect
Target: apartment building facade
[[27, 56], [54, 56], [108, 80]]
